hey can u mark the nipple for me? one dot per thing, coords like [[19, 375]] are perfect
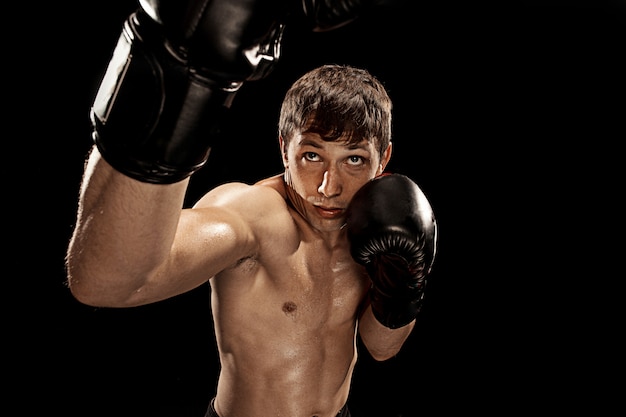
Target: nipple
[[289, 307]]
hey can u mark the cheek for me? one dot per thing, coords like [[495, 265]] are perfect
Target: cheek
[[307, 180], [350, 188]]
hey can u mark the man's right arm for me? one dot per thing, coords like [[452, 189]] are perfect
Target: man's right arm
[[123, 233], [173, 74]]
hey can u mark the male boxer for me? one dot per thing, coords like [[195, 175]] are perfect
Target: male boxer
[[297, 263]]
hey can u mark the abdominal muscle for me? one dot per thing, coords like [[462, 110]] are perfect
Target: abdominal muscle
[[266, 380], [286, 348]]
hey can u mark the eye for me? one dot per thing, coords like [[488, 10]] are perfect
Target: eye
[[355, 160], [311, 156]]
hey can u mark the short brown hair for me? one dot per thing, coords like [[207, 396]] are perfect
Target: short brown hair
[[337, 101]]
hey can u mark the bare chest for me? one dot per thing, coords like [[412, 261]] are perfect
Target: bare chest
[[296, 278], [318, 283]]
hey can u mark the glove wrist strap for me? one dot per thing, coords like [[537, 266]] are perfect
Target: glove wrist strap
[[393, 312]]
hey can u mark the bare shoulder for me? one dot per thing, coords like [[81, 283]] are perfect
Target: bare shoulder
[[250, 201], [257, 211]]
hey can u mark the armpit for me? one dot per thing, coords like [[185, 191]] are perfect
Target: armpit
[[246, 264]]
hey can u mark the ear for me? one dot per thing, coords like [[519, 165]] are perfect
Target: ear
[[385, 157], [283, 150]]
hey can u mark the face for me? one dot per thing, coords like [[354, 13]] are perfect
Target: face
[[326, 175]]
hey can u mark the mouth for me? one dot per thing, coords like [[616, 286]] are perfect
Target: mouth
[[329, 212]]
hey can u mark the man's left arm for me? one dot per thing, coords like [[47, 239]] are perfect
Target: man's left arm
[[393, 233]]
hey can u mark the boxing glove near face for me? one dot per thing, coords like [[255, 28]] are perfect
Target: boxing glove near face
[[393, 233]]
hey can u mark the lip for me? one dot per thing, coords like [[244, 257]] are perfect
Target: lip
[[329, 213]]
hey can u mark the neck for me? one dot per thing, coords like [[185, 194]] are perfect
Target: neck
[[293, 198]]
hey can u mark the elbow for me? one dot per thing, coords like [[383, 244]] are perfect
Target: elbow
[[81, 279], [380, 355], [80, 293], [89, 289], [85, 292], [85, 297], [77, 285], [95, 295]]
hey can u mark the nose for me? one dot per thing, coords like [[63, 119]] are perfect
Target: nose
[[331, 184]]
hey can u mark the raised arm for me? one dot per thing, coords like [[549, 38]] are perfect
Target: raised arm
[[173, 74]]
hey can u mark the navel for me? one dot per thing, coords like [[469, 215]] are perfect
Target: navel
[[289, 307]]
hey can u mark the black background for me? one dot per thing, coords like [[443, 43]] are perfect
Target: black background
[[510, 118]]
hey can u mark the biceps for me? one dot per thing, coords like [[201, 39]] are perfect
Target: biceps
[[210, 240]]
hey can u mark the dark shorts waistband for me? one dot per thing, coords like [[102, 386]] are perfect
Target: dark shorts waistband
[[212, 413]]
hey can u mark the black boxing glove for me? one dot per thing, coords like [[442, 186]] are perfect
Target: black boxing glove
[[172, 76], [325, 15], [393, 232]]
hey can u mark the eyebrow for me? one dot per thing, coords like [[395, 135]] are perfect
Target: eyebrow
[[316, 144], [310, 142]]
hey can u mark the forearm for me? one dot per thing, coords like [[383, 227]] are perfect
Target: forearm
[[382, 342], [124, 231]]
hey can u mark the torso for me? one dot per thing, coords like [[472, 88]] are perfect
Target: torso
[[285, 321]]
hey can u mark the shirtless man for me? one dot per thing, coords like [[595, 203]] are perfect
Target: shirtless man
[[297, 263]]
